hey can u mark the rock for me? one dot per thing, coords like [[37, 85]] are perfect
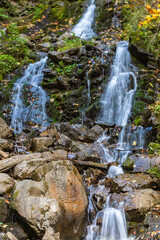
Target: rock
[[5, 131], [27, 41], [129, 182], [64, 141], [71, 130], [31, 203], [27, 168], [11, 236], [55, 56], [6, 183], [50, 235], [86, 152], [11, 162], [41, 144], [65, 35], [60, 44], [4, 211], [51, 132], [58, 200], [45, 46], [138, 163], [157, 162], [3, 155], [16, 230], [139, 202], [93, 134], [6, 145]]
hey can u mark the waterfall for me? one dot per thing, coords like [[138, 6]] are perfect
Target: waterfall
[[88, 88], [29, 98], [116, 107], [113, 225], [83, 29], [117, 98]]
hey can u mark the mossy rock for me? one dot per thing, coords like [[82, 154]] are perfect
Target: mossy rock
[[128, 164]]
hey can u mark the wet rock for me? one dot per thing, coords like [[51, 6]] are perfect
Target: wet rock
[[64, 141], [129, 182], [93, 134], [4, 211], [28, 167], [11, 236], [5, 131], [87, 153], [6, 145], [41, 144], [59, 204], [138, 163], [6, 183], [71, 130], [55, 56]]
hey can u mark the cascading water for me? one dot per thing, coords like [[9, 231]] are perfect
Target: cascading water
[[88, 88], [117, 98], [83, 29], [116, 107], [29, 98]]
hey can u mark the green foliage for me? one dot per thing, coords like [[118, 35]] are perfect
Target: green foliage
[[62, 69], [144, 35], [7, 63], [137, 121], [155, 171], [71, 43], [154, 147], [14, 51], [38, 11], [3, 14]]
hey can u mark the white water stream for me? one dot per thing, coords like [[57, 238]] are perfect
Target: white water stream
[[29, 98], [116, 106], [83, 28], [117, 98]]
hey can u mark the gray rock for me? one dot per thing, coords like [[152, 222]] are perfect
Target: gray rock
[[55, 56], [6, 183], [64, 141], [58, 200], [130, 182]]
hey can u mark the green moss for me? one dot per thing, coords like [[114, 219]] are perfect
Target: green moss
[[154, 147], [156, 172], [71, 43], [138, 108], [128, 164]]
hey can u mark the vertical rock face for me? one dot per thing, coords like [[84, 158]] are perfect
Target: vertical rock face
[[55, 199]]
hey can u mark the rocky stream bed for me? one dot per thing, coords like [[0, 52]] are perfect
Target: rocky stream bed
[[57, 156]]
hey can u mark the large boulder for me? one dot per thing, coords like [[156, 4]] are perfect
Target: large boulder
[[129, 182], [5, 131], [26, 168], [6, 183], [56, 198]]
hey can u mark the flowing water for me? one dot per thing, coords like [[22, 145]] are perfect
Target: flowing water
[[116, 107], [29, 98], [83, 29], [117, 98]]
